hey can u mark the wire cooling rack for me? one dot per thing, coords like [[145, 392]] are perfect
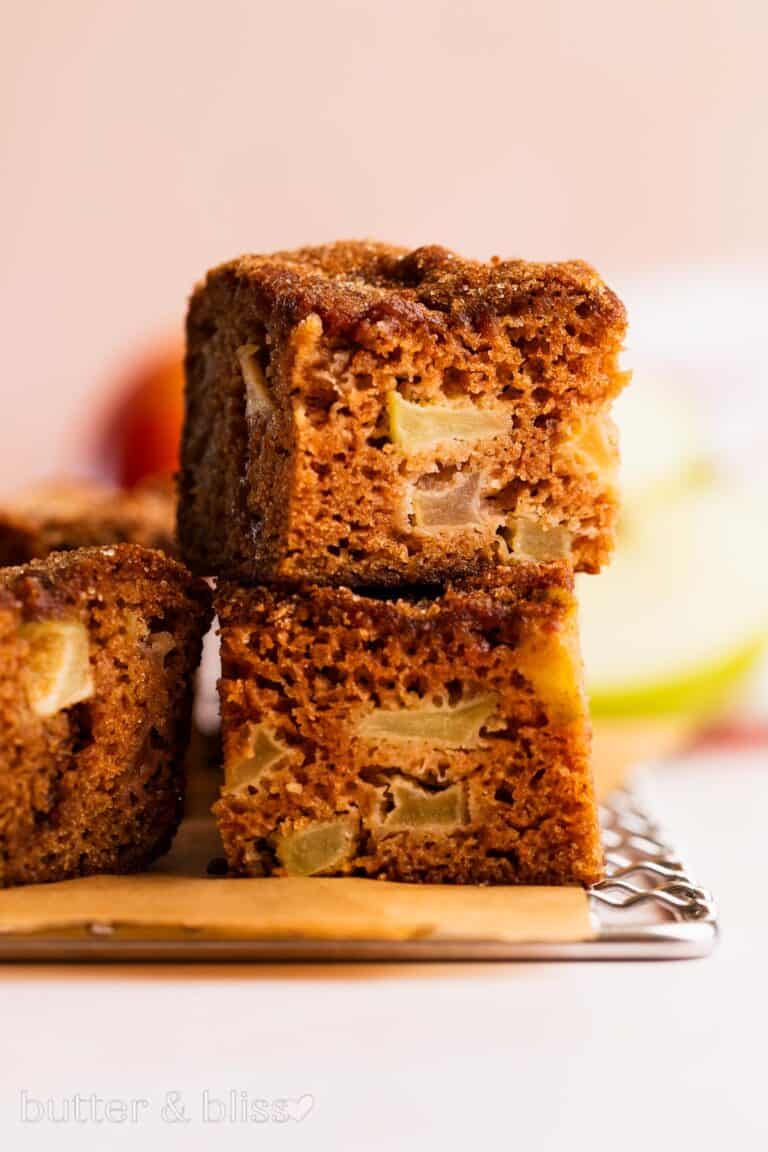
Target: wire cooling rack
[[647, 907]]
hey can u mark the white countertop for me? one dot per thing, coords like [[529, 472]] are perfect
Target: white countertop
[[526, 1056]]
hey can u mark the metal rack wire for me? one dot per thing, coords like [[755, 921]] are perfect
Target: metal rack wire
[[642, 868]]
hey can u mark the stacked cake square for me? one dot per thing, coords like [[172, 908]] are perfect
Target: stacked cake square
[[393, 462]]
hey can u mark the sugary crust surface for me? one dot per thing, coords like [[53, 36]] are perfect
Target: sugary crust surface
[[61, 515], [97, 786], [303, 674], [313, 481], [353, 282]]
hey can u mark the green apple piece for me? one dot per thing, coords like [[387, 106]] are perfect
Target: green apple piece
[[317, 848], [449, 726], [681, 616], [57, 665], [262, 750], [258, 401], [416, 808], [419, 427]]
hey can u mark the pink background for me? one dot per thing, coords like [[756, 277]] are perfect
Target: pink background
[[141, 142]]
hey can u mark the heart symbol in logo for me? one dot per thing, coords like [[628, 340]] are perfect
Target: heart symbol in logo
[[302, 1107]]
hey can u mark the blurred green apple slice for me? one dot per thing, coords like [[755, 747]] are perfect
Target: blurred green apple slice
[[681, 615], [660, 440]]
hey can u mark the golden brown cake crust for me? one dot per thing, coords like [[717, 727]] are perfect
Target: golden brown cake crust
[[98, 784], [308, 679], [352, 282], [60, 515], [308, 470]]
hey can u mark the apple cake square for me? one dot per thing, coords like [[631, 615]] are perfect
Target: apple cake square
[[434, 735], [359, 414], [98, 650]]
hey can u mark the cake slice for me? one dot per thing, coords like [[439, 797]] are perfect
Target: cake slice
[[437, 737], [365, 415], [97, 652], [60, 515]]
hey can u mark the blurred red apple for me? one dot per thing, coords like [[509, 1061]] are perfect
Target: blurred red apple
[[142, 429]]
